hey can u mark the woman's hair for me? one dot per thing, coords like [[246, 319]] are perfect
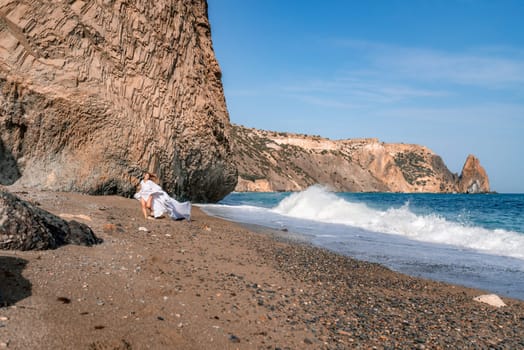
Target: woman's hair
[[152, 177]]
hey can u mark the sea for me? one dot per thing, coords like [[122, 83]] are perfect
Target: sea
[[474, 240]]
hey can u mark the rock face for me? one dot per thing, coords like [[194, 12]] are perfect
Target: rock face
[[273, 161], [26, 227], [93, 93], [473, 178]]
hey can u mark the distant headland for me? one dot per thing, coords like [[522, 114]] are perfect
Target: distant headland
[[270, 161]]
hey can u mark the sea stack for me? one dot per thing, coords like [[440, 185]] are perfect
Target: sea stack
[[473, 178], [94, 93]]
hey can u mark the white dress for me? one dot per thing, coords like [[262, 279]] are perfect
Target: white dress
[[162, 203]]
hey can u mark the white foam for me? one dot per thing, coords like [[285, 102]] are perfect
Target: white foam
[[318, 204]]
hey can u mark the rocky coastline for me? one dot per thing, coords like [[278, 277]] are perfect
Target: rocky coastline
[[209, 283], [270, 161]]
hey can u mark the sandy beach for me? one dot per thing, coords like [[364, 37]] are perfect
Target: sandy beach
[[212, 284]]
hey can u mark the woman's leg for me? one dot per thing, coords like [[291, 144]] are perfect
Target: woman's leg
[[143, 203], [149, 204]]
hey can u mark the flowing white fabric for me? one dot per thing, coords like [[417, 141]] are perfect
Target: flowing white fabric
[[162, 203]]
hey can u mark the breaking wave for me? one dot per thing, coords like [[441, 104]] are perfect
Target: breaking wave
[[318, 204]]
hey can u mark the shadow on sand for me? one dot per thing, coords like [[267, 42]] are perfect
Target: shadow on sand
[[13, 286]]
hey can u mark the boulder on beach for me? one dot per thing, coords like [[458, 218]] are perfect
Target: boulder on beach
[[24, 226]]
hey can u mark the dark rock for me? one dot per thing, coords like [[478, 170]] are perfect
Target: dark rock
[[234, 338], [26, 227]]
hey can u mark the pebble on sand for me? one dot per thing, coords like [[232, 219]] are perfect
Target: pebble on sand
[[75, 216], [490, 299], [109, 227], [234, 339]]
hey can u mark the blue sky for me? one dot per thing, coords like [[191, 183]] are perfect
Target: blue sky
[[448, 75]]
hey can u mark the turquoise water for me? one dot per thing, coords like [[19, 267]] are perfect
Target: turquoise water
[[491, 211], [474, 240]]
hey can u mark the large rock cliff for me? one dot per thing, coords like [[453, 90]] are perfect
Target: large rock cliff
[[273, 161], [94, 92]]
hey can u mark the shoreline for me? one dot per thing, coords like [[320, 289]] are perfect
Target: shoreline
[[211, 283], [447, 239], [291, 237]]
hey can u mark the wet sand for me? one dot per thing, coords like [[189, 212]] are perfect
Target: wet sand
[[212, 284]]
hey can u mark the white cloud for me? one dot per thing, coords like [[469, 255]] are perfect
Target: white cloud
[[489, 67], [330, 102], [379, 76], [409, 84], [358, 90], [490, 115]]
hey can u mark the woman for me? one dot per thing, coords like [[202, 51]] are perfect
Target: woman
[[153, 198]]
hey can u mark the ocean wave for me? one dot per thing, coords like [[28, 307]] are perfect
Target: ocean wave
[[318, 204]]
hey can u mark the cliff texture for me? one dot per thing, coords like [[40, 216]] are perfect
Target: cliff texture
[[272, 161], [93, 93]]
